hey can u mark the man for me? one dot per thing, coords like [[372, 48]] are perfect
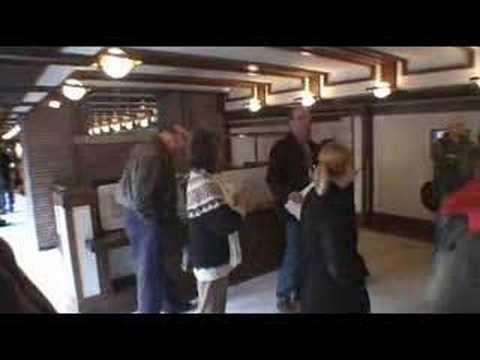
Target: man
[[148, 191], [449, 156], [291, 160]]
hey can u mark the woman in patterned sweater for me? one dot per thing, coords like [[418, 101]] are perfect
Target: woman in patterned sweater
[[211, 224]]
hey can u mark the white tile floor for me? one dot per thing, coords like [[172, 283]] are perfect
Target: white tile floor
[[399, 268]]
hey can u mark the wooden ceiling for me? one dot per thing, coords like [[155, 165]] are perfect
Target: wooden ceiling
[[29, 74]]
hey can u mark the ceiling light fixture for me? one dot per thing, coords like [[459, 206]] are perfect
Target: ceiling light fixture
[[254, 105], [381, 91], [115, 124], [252, 68], [105, 125], [12, 133], [307, 99], [116, 64], [305, 53], [74, 89], [54, 104], [18, 150]]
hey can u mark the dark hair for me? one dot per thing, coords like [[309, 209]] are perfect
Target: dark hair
[[204, 150]]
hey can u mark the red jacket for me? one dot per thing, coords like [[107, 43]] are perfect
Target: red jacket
[[466, 202]]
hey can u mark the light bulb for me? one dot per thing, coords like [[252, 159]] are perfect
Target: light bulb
[[254, 105], [382, 90], [116, 64], [144, 122], [308, 99], [127, 123], [115, 124], [105, 127], [97, 130], [12, 133], [74, 89], [18, 150], [154, 119]]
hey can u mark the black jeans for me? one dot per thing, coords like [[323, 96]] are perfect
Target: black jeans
[[155, 289]]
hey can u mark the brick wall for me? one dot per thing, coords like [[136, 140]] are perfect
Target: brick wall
[[48, 150], [51, 155], [192, 110], [101, 161]]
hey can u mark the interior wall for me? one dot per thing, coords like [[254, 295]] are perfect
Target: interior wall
[[402, 158], [242, 147]]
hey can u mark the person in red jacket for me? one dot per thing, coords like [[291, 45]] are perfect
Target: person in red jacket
[[455, 286]]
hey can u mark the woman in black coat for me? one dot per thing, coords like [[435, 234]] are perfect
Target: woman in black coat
[[333, 278]]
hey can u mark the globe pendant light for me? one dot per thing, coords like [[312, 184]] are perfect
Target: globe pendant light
[[254, 104], [74, 89], [382, 90], [116, 64]]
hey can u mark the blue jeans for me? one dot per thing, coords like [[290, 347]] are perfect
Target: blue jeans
[[289, 274], [155, 290]]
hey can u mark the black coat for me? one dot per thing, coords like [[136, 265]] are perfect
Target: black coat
[[288, 170], [17, 293], [333, 273]]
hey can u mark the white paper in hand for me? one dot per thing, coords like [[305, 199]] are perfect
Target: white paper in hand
[[296, 209]]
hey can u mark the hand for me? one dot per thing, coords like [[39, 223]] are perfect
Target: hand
[[242, 201], [296, 197]]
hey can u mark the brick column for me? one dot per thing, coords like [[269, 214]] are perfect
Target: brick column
[[49, 157]]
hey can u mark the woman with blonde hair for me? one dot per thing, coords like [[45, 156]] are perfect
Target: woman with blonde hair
[[333, 278]]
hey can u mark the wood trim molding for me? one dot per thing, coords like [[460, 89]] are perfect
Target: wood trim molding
[[168, 79], [371, 77], [468, 65], [164, 58], [406, 227]]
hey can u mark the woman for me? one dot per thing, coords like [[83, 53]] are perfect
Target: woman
[[211, 222], [333, 276]]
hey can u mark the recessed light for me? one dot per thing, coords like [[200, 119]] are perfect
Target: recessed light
[[305, 53], [252, 68], [54, 104]]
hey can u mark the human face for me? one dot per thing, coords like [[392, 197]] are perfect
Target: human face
[[348, 178], [301, 124], [176, 140]]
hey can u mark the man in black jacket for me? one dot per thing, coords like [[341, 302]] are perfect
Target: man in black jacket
[[291, 160]]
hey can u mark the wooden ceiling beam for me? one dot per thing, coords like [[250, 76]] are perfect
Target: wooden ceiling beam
[[168, 79], [163, 58], [38, 57]]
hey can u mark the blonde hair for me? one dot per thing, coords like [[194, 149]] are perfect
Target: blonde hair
[[333, 161]]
